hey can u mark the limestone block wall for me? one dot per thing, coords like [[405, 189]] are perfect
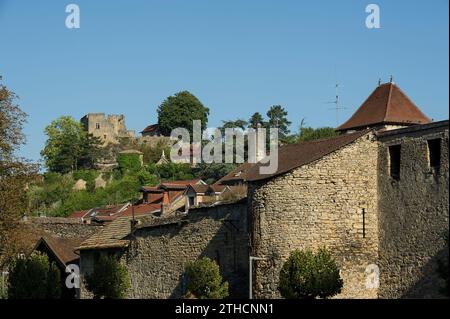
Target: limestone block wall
[[331, 202], [157, 256], [413, 215]]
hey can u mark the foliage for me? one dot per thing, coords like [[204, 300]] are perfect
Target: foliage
[[204, 280], [15, 173], [211, 173], [34, 278], [180, 110], [88, 175], [256, 119], [55, 197], [277, 116], [309, 275], [172, 171], [309, 133], [108, 280], [129, 162], [69, 147]]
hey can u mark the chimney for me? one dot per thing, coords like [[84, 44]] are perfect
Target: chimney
[[260, 141], [165, 204]]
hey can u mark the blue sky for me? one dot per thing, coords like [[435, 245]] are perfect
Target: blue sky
[[237, 57]]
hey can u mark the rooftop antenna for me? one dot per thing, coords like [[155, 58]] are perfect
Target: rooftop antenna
[[337, 106], [391, 80]]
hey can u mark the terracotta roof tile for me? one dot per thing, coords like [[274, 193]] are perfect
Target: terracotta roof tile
[[386, 105]]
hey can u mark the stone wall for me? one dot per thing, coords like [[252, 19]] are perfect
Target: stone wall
[[413, 213], [319, 204], [109, 128], [157, 254]]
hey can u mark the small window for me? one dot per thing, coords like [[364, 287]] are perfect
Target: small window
[[191, 201], [97, 126], [434, 153], [104, 136], [394, 161]]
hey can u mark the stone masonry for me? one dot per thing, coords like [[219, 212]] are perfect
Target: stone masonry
[[413, 213], [328, 203]]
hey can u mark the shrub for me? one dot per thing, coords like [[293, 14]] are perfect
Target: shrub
[[309, 275], [204, 280], [129, 162], [108, 280], [34, 278]]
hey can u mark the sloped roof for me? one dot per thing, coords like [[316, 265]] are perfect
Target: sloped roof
[[386, 105], [62, 248], [238, 174], [109, 237], [153, 128], [292, 156]]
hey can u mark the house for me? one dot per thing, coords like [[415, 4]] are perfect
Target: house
[[376, 197], [109, 128]]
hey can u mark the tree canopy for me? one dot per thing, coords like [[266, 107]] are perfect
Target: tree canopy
[[69, 146], [180, 110], [277, 117], [15, 172], [34, 278]]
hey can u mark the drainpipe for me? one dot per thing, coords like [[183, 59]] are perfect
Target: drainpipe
[[250, 272]]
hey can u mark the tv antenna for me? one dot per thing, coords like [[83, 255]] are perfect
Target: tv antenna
[[337, 106]]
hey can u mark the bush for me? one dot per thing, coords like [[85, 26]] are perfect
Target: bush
[[204, 280], [309, 275], [108, 280], [129, 162], [34, 278]]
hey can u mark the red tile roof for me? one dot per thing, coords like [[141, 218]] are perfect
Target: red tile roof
[[295, 155], [239, 174], [386, 105]]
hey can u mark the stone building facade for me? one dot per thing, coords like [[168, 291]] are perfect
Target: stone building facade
[[413, 210], [330, 202], [157, 251], [376, 197], [109, 128]]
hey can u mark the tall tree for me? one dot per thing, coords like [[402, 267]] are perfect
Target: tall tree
[[180, 110], [15, 172], [277, 116], [69, 147], [255, 119]]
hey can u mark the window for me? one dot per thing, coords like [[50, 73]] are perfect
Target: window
[[434, 152], [97, 126], [394, 161], [191, 200]]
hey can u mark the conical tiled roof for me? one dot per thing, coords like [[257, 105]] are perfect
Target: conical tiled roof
[[386, 105]]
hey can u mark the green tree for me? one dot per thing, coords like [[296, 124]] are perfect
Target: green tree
[[34, 278], [180, 110], [69, 147], [212, 172], [109, 279], [310, 134], [308, 275], [15, 172], [204, 280], [277, 116], [256, 119]]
